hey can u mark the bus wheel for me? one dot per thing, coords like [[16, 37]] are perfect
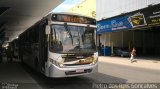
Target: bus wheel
[[36, 64]]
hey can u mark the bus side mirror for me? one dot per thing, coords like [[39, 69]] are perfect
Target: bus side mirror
[[47, 30]]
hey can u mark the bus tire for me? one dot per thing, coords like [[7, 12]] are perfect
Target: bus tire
[[36, 64]]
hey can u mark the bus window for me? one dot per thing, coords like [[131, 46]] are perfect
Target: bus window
[[71, 38]]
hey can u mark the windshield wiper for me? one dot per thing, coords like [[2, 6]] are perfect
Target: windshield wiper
[[68, 31]]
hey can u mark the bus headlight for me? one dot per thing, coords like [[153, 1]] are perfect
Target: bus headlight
[[60, 64], [56, 62], [95, 60]]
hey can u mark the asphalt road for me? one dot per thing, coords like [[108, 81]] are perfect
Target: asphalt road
[[129, 73], [20, 76]]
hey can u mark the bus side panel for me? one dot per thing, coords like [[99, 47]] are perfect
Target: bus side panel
[[28, 46]]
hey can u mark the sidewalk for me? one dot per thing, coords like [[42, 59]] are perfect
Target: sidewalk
[[141, 62]]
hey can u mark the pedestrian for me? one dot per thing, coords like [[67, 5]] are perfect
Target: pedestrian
[[1, 53], [133, 54], [99, 48], [9, 54]]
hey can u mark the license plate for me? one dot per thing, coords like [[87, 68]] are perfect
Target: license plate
[[80, 70]]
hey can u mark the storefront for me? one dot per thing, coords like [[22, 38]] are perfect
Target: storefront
[[139, 29]]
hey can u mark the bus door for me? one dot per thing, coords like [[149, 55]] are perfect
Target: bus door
[[43, 48]]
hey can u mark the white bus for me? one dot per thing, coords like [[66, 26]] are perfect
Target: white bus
[[60, 45]]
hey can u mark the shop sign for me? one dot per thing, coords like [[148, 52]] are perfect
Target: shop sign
[[152, 15], [110, 25], [137, 20], [149, 16]]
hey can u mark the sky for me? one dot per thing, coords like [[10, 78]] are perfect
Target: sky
[[66, 5]]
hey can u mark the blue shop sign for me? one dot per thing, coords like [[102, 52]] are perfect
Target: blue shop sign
[[113, 24]]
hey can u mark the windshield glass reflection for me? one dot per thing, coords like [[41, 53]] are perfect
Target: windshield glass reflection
[[72, 39]]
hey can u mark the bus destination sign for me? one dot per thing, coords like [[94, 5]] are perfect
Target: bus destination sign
[[73, 19]]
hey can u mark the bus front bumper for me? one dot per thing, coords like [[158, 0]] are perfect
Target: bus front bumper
[[55, 71]]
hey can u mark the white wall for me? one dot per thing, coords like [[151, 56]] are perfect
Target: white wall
[[110, 8]]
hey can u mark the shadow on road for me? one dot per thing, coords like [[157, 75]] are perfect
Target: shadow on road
[[80, 82]]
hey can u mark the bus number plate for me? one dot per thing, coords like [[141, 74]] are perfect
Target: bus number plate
[[80, 70]]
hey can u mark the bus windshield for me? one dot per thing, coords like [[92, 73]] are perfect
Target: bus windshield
[[72, 39]]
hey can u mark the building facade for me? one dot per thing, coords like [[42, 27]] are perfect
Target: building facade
[[86, 7], [110, 8], [135, 24]]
